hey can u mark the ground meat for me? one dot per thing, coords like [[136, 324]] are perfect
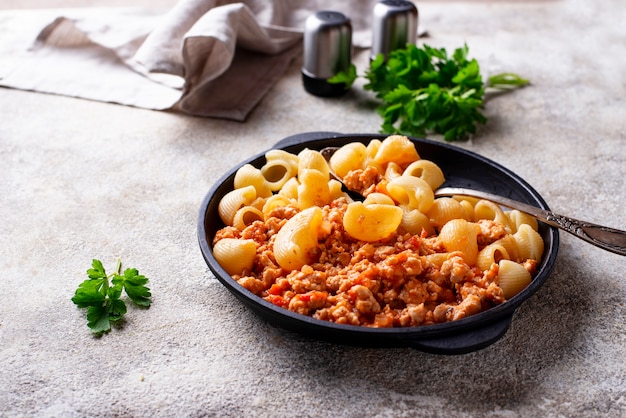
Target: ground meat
[[307, 302], [490, 231], [227, 232], [414, 292], [414, 315], [469, 306], [256, 231], [283, 212], [531, 266], [306, 280], [252, 284], [363, 181], [456, 270], [364, 300]]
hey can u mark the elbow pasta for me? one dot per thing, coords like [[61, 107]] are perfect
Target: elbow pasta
[[411, 192], [400, 258], [251, 176], [277, 173], [279, 168], [397, 149], [489, 210], [348, 158], [245, 216], [415, 222], [235, 255], [312, 160], [427, 171], [313, 189], [296, 241], [233, 201], [372, 222], [446, 209], [461, 236]]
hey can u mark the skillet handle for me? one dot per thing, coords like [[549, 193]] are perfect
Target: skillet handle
[[465, 342]]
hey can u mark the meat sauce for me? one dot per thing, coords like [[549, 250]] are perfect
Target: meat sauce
[[394, 282]]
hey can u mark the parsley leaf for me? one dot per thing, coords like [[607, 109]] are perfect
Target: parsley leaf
[[97, 271], [423, 90], [91, 293], [345, 77], [98, 319], [135, 286], [103, 298]]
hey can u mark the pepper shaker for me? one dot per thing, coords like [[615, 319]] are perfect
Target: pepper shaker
[[394, 25], [327, 51]]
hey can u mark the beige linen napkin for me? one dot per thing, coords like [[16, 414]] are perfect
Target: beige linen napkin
[[213, 58]]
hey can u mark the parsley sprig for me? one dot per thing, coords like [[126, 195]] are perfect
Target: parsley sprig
[[102, 298], [424, 90]]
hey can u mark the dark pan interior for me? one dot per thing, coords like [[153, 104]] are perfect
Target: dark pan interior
[[461, 169]]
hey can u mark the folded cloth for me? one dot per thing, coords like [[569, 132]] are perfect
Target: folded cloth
[[212, 58]]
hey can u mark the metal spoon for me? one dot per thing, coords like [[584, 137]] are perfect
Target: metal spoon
[[610, 239]]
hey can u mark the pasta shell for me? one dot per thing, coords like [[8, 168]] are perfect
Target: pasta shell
[[258, 203], [427, 171], [282, 155], [396, 148], [485, 209], [468, 209], [471, 200], [277, 172], [245, 216], [248, 175], [414, 222], [392, 171], [513, 278], [233, 201], [335, 189], [412, 192], [372, 149], [296, 240], [491, 254], [235, 255], [347, 158], [378, 198], [517, 218], [510, 245], [529, 243], [312, 160], [371, 222], [313, 189], [290, 189], [460, 235], [445, 209]]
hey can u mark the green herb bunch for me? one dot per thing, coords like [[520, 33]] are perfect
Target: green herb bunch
[[423, 90], [103, 298]]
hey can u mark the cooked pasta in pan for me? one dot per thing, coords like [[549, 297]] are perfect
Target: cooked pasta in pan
[[400, 258]]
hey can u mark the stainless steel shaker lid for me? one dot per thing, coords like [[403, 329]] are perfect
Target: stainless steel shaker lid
[[327, 44], [394, 24]]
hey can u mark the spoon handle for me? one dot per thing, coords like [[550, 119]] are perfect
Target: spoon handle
[[610, 239]]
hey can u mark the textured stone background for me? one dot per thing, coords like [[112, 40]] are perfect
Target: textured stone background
[[83, 180]]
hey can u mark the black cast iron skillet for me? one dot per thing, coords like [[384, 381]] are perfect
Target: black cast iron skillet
[[462, 169]]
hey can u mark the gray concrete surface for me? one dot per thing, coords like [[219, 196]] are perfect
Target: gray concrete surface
[[83, 180]]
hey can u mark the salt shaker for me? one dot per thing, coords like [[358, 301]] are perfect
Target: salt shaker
[[394, 25], [327, 51]]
